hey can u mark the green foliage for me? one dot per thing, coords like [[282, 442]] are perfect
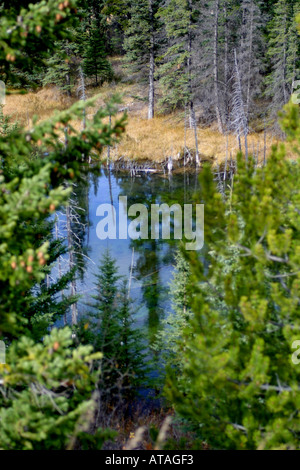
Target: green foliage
[[284, 52], [62, 66], [239, 384], [28, 34], [173, 73], [111, 330], [169, 339], [47, 386], [6, 126], [95, 61], [47, 399], [140, 27], [32, 192]]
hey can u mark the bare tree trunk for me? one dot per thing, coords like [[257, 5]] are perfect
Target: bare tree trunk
[[265, 143], [226, 65], [71, 252], [226, 158], [108, 147], [284, 70], [250, 61], [131, 274], [195, 132], [82, 94], [151, 64], [59, 267], [191, 104], [216, 71], [185, 131], [68, 84], [241, 118], [71, 265]]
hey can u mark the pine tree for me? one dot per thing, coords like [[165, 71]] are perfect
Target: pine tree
[[62, 66], [169, 343], [250, 53], [110, 328], [284, 54], [95, 62], [6, 124], [174, 74], [177, 73], [107, 325], [56, 405], [131, 355], [141, 41], [240, 381], [47, 394], [29, 32]]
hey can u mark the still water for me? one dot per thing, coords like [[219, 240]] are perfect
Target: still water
[[151, 261]]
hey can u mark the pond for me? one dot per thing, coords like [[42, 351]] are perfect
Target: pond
[[148, 263]]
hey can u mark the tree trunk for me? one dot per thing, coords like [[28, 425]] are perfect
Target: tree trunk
[[193, 122], [68, 80], [250, 59], [216, 71], [59, 268], [151, 64], [71, 265], [226, 65], [285, 63], [242, 118]]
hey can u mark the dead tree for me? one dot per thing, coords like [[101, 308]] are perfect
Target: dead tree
[[239, 118], [81, 91], [151, 63], [193, 123], [216, 67]]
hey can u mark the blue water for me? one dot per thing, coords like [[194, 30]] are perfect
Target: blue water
[[153, 259]]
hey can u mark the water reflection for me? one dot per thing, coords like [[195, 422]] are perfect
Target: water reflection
[[147, 263]]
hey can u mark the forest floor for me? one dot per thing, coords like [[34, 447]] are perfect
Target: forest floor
[[154, 140]]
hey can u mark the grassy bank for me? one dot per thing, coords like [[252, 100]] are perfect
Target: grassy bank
[[153, 140]]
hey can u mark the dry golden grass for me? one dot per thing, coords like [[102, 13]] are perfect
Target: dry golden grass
[[163, 137], [153, 140], [43, 103]]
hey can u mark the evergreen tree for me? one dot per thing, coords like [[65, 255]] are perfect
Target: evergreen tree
[[95, 62], [62, 66], [251, 50], [131, 355], [52, 399], [49, 301], [110, 328], [29, 31], [240, 381], [174, 73], [107, 325], [47, 395], [6, 125], [141, 41], [177, 73], [284, 52], [169, 342]]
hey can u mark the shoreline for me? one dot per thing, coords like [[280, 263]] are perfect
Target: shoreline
[[145, 141]]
